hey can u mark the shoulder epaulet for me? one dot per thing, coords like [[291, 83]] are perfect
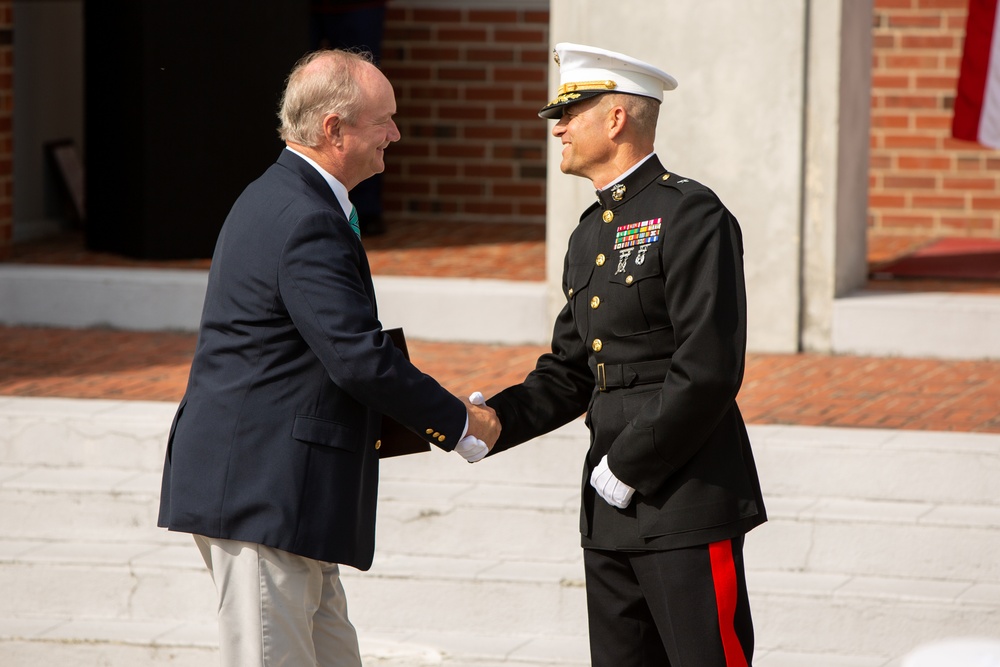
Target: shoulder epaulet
[[679, 182]]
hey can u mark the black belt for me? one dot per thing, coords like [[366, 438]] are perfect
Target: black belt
[[613, 376]]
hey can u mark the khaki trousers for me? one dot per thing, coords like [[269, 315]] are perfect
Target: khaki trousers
[[277, 609]]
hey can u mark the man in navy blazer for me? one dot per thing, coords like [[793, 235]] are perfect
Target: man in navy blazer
[[272, 459]]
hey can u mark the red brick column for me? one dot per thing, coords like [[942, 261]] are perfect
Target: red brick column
[[6, 134], [469, 84], [923, 183]]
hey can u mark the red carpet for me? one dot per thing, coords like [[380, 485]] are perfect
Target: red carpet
[[950, 259]]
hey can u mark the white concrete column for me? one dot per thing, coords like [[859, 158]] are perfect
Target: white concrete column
[[838, 103]]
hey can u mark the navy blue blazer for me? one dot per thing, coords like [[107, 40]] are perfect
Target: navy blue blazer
[[275, 441]]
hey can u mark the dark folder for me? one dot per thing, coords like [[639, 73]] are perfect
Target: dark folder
[[398, 440]]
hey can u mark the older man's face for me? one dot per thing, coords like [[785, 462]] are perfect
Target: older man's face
[[365, 140]]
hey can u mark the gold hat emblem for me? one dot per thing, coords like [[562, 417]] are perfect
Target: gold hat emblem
[[555, 56]]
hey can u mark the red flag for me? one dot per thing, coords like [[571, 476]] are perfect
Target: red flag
[[977, 102]]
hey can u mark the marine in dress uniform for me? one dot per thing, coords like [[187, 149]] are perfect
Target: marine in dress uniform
[[651, 345]]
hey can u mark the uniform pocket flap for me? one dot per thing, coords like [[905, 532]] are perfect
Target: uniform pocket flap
[[639, 264]]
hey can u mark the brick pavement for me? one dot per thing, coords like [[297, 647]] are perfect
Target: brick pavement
[[808, 389]]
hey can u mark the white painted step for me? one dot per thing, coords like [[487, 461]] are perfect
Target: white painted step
[[917, 324], [462, 519], [513, 313], [877, 541], [882, 616], [111, 643]]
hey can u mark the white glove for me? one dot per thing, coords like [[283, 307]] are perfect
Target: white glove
[[609, 487], [470, 447]]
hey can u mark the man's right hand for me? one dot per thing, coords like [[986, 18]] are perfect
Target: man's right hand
[[483, 420]]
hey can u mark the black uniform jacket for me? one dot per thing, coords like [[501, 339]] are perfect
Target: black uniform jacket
[[275, 439], [651, 344]]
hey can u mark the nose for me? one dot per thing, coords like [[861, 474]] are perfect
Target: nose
[[394, 134], [559, 128]]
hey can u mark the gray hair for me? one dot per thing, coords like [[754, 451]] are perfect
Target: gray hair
[[322, 83], [641, 110]]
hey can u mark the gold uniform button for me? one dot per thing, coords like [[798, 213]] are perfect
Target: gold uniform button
[[597, 345], [608, 216], [629, 280], [378, 444], [601, 259], [429, 431], [571, 291], [435, 434], [441, 438], [595, 302]]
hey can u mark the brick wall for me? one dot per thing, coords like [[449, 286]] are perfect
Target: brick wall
[[469, 84], [6, 135], [923, 182], [470, 81]]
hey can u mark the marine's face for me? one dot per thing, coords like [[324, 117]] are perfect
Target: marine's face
[[583, 130]]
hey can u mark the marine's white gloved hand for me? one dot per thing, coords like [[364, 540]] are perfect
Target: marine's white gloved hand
[[609, 487], [470, 447]]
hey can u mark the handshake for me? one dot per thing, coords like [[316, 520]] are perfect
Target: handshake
[[483, 422]]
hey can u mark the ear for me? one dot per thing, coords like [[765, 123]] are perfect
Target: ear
[[333, 127], [617, 119]]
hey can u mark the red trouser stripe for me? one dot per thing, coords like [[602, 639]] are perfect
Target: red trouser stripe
[[726, 594]]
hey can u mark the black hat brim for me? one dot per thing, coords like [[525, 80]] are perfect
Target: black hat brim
[[554, 109]]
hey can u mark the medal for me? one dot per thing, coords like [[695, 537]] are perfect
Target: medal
[[640, 257], [623, 256]]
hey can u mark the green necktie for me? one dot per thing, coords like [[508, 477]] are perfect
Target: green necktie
[[354, 222]]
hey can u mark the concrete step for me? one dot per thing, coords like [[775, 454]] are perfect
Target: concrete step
[[516, 312], [937, 467], [878, 616], [878, 541], [793, 460], [442, 517], [917, 324], [118, 643], [149, 581], [61, 646], [63, 432]]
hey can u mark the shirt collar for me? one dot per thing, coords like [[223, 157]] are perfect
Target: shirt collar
[[631, 169]]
